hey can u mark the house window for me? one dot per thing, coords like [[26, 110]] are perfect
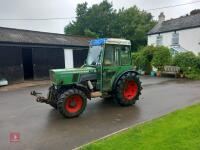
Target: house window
[[159, 40], [175, 39]]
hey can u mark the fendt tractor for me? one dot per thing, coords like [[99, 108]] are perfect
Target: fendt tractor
[[107, 72]]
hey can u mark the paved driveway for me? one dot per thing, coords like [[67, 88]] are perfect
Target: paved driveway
[[41, 127]]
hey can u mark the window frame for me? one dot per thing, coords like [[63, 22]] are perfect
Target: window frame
[[159, 40], [115, 61], [175, 38], [129, 57]]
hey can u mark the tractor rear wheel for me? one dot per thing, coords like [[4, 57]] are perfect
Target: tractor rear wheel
[[128, 89], [72, 103]]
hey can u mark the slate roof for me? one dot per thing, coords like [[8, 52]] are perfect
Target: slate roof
[[181, 23], [19, 36]]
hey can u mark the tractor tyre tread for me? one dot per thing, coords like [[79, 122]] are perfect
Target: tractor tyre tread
[[62, 100], [120, 87]]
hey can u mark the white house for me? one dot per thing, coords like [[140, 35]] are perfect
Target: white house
[[181, 34]]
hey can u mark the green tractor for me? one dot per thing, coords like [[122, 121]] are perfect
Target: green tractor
[[107, 72]]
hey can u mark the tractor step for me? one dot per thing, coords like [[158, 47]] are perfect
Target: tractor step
[[96, 94]]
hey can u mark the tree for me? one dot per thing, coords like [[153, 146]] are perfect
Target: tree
[[133, 24], [195, 11], [78, 27], [101, 20], [89, 33], [95, 20]]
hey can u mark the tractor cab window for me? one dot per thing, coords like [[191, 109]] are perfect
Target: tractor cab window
[[117, 54], [125, 55], [94, 55], [111, 55]]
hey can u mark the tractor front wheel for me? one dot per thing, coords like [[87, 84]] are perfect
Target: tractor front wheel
[[72, 103], [128, 89]]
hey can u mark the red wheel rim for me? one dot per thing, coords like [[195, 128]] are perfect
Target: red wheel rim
[[74, 103], [130, 90]]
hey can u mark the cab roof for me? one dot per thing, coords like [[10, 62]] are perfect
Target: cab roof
[[103, 41]]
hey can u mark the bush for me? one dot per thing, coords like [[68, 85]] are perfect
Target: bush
[[148, 52], [142, 59], [186, 61], [137, 60], [189, 64], [193, 74], [158, 56], [162, 57], [141, 62], [197, 61]]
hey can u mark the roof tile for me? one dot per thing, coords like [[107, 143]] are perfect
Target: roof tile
[[19, 36], [186, 22]]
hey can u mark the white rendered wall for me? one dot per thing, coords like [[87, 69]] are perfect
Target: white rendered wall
[[189, 39], [69, 62]]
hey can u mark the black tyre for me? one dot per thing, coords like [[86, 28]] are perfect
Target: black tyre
[[128, 89], [72, 103], [53, 104], [108, 97]]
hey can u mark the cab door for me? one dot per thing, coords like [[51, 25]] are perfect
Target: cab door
[[110, 66]]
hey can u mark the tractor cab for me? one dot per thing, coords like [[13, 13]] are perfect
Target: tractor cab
[[107, 72], [107, 52], [110, 57]]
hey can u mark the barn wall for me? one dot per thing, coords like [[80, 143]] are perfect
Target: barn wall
[[45, 59], [79, 57], [11, 64]]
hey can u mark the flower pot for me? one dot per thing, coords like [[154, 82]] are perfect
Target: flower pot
[[153, 73], [158, 74]]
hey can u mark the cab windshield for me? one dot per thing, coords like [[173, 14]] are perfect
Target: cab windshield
[[94, 55]]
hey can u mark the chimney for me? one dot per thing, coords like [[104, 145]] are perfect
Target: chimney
[[161, 17]]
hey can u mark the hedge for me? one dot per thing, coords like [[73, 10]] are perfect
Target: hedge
[[160, 56]]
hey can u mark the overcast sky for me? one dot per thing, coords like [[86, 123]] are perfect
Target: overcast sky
[[11, 9]]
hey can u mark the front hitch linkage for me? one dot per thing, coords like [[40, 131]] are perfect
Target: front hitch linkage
[[40, 99]]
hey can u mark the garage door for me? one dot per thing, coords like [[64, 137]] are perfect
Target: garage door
[[45, 59]]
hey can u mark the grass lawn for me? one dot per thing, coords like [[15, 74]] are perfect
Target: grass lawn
[[179, 130]]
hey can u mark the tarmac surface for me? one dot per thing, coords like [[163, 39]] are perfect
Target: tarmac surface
[[41, 127]]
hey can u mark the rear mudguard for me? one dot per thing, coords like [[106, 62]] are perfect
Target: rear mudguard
[[119, 76]]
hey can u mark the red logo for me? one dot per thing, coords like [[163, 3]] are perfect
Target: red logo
[[14, 137]]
